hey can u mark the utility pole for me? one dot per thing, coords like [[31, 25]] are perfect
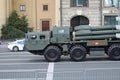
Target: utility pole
[[101, 11], [118, 17], [118, 11], [61, 13]]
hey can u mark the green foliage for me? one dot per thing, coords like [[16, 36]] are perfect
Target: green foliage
[[16, 26], [9, 32]]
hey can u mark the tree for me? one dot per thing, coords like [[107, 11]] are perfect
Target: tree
[[15, 27]]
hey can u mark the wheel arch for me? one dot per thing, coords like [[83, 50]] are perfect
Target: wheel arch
[[15, 47], [53, 45], [81, 44]]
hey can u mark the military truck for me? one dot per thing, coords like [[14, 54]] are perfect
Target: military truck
[[76, 42]]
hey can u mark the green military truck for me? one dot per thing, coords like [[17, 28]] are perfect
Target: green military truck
[[75, 42]]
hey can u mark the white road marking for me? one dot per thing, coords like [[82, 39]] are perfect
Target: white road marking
[[13, 59], [90, 62], [8, 79], [94, 69], [50, 71], [23, 70], [31, 63], [23, 79], [11, 52], [10, 56]]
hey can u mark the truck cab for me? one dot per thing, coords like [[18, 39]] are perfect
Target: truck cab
[[36, 41]]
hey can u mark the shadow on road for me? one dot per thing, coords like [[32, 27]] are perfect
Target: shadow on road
[[67, 59]]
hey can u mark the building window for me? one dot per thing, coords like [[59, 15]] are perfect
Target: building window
[[110, 3], [45, 7], [110, 20], [22, 8], [79, 3]]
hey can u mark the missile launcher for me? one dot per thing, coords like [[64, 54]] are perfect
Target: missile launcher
[[75, 42], [95, 33], [87, 27]]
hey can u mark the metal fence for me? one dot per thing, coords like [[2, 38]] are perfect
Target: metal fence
[[87, 74]]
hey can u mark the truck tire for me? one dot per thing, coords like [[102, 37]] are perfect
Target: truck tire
[[114, 52], [78, 53], [52, 54]]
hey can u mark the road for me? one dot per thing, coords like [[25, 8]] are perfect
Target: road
[[25, 66]]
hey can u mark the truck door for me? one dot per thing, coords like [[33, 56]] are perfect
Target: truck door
[[38, 41], [43, 40]]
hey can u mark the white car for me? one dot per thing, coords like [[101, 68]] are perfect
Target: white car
[[17, 45]]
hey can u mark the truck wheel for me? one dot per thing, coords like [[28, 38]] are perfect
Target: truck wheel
[[114, 52], [78, 53], [52, 54]]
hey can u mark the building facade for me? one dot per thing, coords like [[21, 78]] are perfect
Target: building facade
[[5, 8], [89, 12], [2, 13], [42, 15]]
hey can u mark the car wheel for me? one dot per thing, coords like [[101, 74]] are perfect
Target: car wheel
[[15, 49]]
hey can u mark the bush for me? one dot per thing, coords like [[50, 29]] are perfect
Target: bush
[[15, 27], [10, 32]]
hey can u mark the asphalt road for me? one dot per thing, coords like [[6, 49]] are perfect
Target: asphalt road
[[25, 66]]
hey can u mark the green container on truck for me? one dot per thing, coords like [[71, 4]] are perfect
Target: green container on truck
[[75, 42]]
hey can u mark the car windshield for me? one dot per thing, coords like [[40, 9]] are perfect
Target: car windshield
[[20, 42]]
